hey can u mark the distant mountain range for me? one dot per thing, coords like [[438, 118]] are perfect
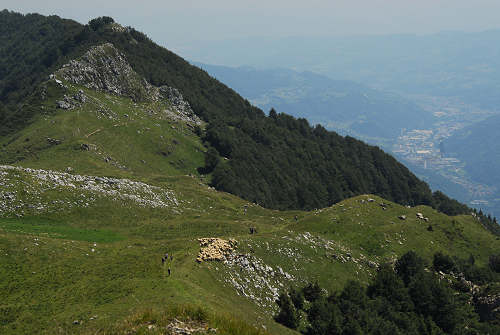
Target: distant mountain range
[[341, 105], [455, 64]]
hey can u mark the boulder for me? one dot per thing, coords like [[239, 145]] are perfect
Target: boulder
[[88, 147], [64, 105], [53, 141], [80, 97]]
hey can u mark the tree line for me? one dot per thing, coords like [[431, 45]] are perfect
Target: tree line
[[407, 298]]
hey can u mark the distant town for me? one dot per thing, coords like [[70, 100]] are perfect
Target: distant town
[[424, 148]]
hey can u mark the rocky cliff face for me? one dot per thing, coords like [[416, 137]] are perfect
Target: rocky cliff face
[[181, 109], [105, 68]]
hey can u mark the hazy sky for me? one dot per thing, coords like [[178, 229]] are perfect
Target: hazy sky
[[174, 23]]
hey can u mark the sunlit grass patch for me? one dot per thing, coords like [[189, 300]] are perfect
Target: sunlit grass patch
[[56, 229]]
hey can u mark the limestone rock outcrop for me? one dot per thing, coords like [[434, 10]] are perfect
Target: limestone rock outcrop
[[105, 68]]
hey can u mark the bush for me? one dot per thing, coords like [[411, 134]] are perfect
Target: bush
[[494, 263], [408, 266], [99, 22], [297, 298], [443, 263], [287, 315], [312, 292]]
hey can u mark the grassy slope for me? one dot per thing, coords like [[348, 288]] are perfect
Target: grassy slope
[[136, 136], [49, 275]]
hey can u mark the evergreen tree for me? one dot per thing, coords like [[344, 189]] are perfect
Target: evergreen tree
[[324, 318], [287, 315], [389, 285], [408, 265], [494, 263], [211, 160], [443, 263], [297, 297], [312, 291]]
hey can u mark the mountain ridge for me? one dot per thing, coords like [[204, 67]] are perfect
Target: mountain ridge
[[239, 131]]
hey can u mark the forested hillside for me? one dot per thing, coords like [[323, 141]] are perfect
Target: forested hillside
[[305, 167], [277, 161], [30, 47]]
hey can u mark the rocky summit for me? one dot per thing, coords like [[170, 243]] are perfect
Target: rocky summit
[[104, 68]]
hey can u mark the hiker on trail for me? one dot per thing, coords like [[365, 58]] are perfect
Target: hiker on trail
[[169, 272], [162, 260]]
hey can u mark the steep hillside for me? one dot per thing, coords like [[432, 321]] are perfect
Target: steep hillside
[[104, 181], [278, 161]]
